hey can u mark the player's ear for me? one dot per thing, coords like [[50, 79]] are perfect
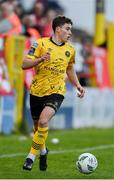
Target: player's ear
[[58, 28]]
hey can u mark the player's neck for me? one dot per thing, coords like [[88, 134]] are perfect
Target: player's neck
[[57, 40]]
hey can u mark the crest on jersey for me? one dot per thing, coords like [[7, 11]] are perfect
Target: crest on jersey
[[67, 53]]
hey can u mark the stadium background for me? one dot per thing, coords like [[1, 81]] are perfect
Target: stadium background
[[93, 37], [88, 123]]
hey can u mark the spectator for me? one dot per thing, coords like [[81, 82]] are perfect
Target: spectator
[[88, 60], [13, 2], [19, 11], [27, 5], [4, 83], [39, 10], [52, 4], [30, 27], [50, 15], [10, 23]]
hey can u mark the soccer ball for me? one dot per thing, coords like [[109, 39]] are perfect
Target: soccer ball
[[86, 163]]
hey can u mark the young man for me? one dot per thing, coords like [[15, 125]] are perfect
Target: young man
[[52, 58]]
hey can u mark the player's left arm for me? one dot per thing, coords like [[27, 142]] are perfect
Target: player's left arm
[[72, 76]]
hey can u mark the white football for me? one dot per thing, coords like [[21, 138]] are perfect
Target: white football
[[86, 163], [55, 140]]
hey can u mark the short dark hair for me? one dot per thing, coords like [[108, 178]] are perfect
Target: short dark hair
[[60, 21]]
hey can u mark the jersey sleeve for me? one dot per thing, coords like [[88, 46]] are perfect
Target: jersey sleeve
[[72, 59], [35, 49]]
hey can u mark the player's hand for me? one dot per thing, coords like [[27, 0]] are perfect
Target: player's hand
[[81, 91], [46, 57]]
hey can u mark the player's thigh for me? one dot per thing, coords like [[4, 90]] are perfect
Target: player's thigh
[[46, 114], [51, 105]]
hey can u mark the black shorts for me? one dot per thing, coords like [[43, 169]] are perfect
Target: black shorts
[[37, 104]]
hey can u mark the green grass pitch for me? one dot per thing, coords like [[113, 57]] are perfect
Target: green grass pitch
[[62, 156]]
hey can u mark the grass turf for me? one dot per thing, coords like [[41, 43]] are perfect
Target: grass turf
[[62, 156]]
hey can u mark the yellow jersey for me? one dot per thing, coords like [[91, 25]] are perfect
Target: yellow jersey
[[50, 75]]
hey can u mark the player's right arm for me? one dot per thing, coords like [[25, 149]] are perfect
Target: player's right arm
[[29, 63], [34, 57]]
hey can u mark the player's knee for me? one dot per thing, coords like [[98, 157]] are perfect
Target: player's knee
[[43, 123]]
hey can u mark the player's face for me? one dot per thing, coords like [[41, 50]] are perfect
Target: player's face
[[65, 32]]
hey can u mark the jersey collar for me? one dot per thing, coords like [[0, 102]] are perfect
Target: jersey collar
[[55, 42]]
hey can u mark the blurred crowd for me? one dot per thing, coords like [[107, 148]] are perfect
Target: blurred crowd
[[30, 18], [33, 19]]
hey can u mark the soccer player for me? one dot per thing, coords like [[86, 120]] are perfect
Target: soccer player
[[52, 59]]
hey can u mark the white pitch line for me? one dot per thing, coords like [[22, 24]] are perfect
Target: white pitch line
[[11, 155], [84, 149], [62, 151]]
